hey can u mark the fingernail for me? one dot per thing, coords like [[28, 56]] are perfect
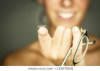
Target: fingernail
[[42, 31], [61, 27], [75, 29]]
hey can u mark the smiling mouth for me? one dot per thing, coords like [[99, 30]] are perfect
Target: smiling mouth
[[66, 16]]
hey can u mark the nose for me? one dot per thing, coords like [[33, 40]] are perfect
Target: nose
[[67, 3]]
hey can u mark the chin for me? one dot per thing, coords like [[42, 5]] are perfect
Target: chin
[[67, 25]]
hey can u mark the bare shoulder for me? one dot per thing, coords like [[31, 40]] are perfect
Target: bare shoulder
[[23, 56], [34, 46], [93, 55]]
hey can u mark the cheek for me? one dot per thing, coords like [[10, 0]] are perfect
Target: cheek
[[50, 7], [50, 2], [82, 3]]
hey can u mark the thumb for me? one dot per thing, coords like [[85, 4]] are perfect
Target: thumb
[[44, 39]]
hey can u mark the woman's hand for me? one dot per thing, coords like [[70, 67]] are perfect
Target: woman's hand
[[56, 47]]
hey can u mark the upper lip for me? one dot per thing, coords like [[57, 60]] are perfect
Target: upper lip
[[67, 10]]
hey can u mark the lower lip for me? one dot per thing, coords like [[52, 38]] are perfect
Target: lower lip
[[66, 19]]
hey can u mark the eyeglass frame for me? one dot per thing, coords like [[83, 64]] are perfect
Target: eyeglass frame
[[84, 34]]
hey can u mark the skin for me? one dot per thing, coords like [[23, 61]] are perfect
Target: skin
[[51, 47]]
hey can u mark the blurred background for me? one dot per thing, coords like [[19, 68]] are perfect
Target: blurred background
[[19, 20]]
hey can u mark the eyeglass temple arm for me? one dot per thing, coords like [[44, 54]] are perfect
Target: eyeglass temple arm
[[84, 32]]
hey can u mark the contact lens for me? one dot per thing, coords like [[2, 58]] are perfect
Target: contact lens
[[41, 26]]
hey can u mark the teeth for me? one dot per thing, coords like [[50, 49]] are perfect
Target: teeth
[[66, 15]]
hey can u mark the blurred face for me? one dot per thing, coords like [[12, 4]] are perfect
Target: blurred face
[[67, 13]]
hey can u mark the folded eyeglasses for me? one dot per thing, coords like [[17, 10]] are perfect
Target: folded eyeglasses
[[84, 37]]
